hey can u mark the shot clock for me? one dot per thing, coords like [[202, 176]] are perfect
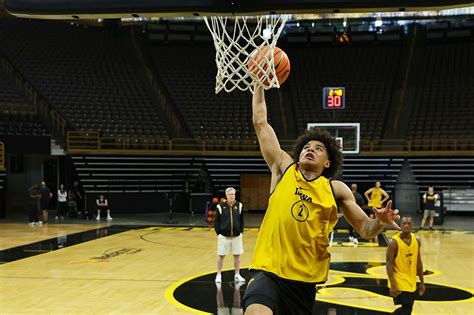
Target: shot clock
[[334, 98]]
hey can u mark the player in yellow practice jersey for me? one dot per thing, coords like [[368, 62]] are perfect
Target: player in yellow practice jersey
[[291, 254], [376, 193], [403, 265]]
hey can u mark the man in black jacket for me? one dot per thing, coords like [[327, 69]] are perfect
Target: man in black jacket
[[229, 226]]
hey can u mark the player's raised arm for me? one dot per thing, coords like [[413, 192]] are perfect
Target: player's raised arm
[[276, 159], [366, 227]]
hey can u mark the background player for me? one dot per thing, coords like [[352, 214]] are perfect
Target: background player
[[403, 265], [375, 198]]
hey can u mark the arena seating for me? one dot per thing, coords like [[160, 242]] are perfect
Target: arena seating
[[363, 71], [20, 123], [16, 116], [444, 98], [10, 96], [89, 75], [443, 172], [225, 171], [189, 74], [135, 174], [144, 183], [169, 174], [459, 199]]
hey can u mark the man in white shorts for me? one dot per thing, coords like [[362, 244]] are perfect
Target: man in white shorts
[[229, 226]]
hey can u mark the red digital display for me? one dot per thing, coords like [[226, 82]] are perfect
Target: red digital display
[[334, 101], [334, 98]]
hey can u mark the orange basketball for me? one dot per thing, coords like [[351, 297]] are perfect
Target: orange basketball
[[257, 64]]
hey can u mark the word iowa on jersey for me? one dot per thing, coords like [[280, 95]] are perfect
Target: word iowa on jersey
[[294, 237]]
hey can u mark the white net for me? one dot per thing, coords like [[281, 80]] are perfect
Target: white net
[[240, 39]]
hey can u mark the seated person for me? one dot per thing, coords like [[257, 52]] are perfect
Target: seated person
[[102, 205]]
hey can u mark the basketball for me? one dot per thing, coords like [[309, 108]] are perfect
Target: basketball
[[257, 64]]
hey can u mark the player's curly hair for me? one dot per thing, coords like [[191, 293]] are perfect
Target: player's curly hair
[[333, 149]]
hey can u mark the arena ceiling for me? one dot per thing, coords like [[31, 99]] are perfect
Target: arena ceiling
[[105, 9]]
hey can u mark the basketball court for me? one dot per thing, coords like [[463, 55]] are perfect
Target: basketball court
[[123, 269], [134, 266]]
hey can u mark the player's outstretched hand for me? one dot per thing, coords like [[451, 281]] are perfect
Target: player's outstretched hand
[[387, 215]]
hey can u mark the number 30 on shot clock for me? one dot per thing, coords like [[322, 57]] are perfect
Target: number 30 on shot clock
[[334, 98]]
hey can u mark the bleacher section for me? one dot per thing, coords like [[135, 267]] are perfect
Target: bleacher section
[[459, 199], [11, 97], [444, 98], [89, 75], [364, 171], [146, 174], [363, 71], [225, 171], [443, 172], [92, 77], [142, 177], [189, 74], [136, 174], [21, 124], [17, 117], [138, 183]]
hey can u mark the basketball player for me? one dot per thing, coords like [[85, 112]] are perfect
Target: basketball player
[[291, 254], [429, 199], [376, 193], [403, 265], [229, 226]]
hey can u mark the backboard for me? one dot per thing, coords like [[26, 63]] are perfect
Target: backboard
[[346, 134]]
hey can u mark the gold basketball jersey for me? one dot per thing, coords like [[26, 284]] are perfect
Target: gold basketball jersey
[[404, 269], [294, 237], [376, 198]]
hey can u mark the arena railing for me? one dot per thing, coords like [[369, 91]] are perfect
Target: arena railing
[[50, 115], [91, 141], [15, 107], [83, 141]]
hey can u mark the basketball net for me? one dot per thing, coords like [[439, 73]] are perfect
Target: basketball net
[[235, 41]]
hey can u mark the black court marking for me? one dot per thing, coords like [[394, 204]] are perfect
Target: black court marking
[[52, 244], [434, 292], [362, 267], [201, 293]]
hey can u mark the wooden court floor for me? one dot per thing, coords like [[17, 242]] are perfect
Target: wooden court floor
[[158, 270]]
